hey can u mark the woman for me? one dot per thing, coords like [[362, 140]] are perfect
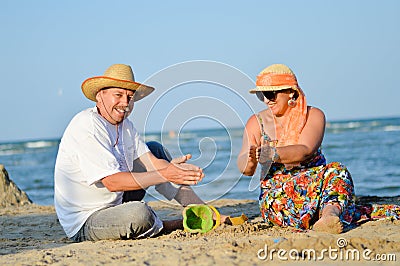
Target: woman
[[299, 189]]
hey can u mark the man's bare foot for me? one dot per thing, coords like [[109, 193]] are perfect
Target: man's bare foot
[[172, 225], [329, 221]]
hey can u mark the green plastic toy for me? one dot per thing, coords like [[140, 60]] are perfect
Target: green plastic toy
[[198, 218]]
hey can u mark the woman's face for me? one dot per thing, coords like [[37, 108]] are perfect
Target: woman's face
[[277, 101]]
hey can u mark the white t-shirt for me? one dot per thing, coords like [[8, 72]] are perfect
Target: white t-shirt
[[87, 153]]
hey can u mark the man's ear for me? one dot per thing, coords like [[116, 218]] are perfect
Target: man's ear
[[98, 97]]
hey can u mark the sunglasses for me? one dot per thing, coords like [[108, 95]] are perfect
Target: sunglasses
[[270, 95]]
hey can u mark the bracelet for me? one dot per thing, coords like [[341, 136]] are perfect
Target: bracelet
[[275, 156]]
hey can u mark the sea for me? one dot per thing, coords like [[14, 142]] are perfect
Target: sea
[[370, 148]]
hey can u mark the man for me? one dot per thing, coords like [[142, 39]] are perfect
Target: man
[[103, 166]]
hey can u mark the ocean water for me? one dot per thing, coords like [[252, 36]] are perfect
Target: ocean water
[[369, 148]]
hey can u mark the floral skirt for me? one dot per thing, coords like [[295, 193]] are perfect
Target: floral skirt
[[295, 197]]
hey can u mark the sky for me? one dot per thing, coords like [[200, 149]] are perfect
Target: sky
[[201, 56]]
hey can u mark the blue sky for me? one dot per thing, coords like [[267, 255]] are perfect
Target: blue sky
[[345, 55]]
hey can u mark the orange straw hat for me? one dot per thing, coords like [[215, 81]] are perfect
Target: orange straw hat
[[276, 77], [116, 76]]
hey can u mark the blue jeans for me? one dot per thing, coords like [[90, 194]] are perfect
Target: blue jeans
[[132, 219]]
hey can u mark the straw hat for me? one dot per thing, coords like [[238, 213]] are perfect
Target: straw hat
[[117, 76], [274, 78]]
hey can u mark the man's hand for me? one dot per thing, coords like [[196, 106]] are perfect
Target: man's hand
[[182, 173], [181, 163], [181, 159]]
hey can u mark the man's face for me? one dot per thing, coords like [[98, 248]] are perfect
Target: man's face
[[114, 104]]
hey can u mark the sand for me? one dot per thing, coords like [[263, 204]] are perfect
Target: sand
[[31, 235]]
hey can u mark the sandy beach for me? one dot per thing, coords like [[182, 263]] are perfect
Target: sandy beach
[[31, 235]]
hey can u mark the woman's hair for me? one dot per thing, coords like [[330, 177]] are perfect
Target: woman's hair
[[296, 94]]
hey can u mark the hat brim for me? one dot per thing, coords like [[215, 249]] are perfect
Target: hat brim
[[273, 88], [92, 86]]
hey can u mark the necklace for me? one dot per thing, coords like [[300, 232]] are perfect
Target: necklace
[[117, 138], [282, 129]]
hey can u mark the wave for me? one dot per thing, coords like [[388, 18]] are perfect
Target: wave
[[11, 152], [383, 124], [40, 144], [341, 125], [391, 128], [15, 148]]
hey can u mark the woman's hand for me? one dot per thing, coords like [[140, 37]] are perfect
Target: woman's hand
[[254, 154], [265, 153]]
